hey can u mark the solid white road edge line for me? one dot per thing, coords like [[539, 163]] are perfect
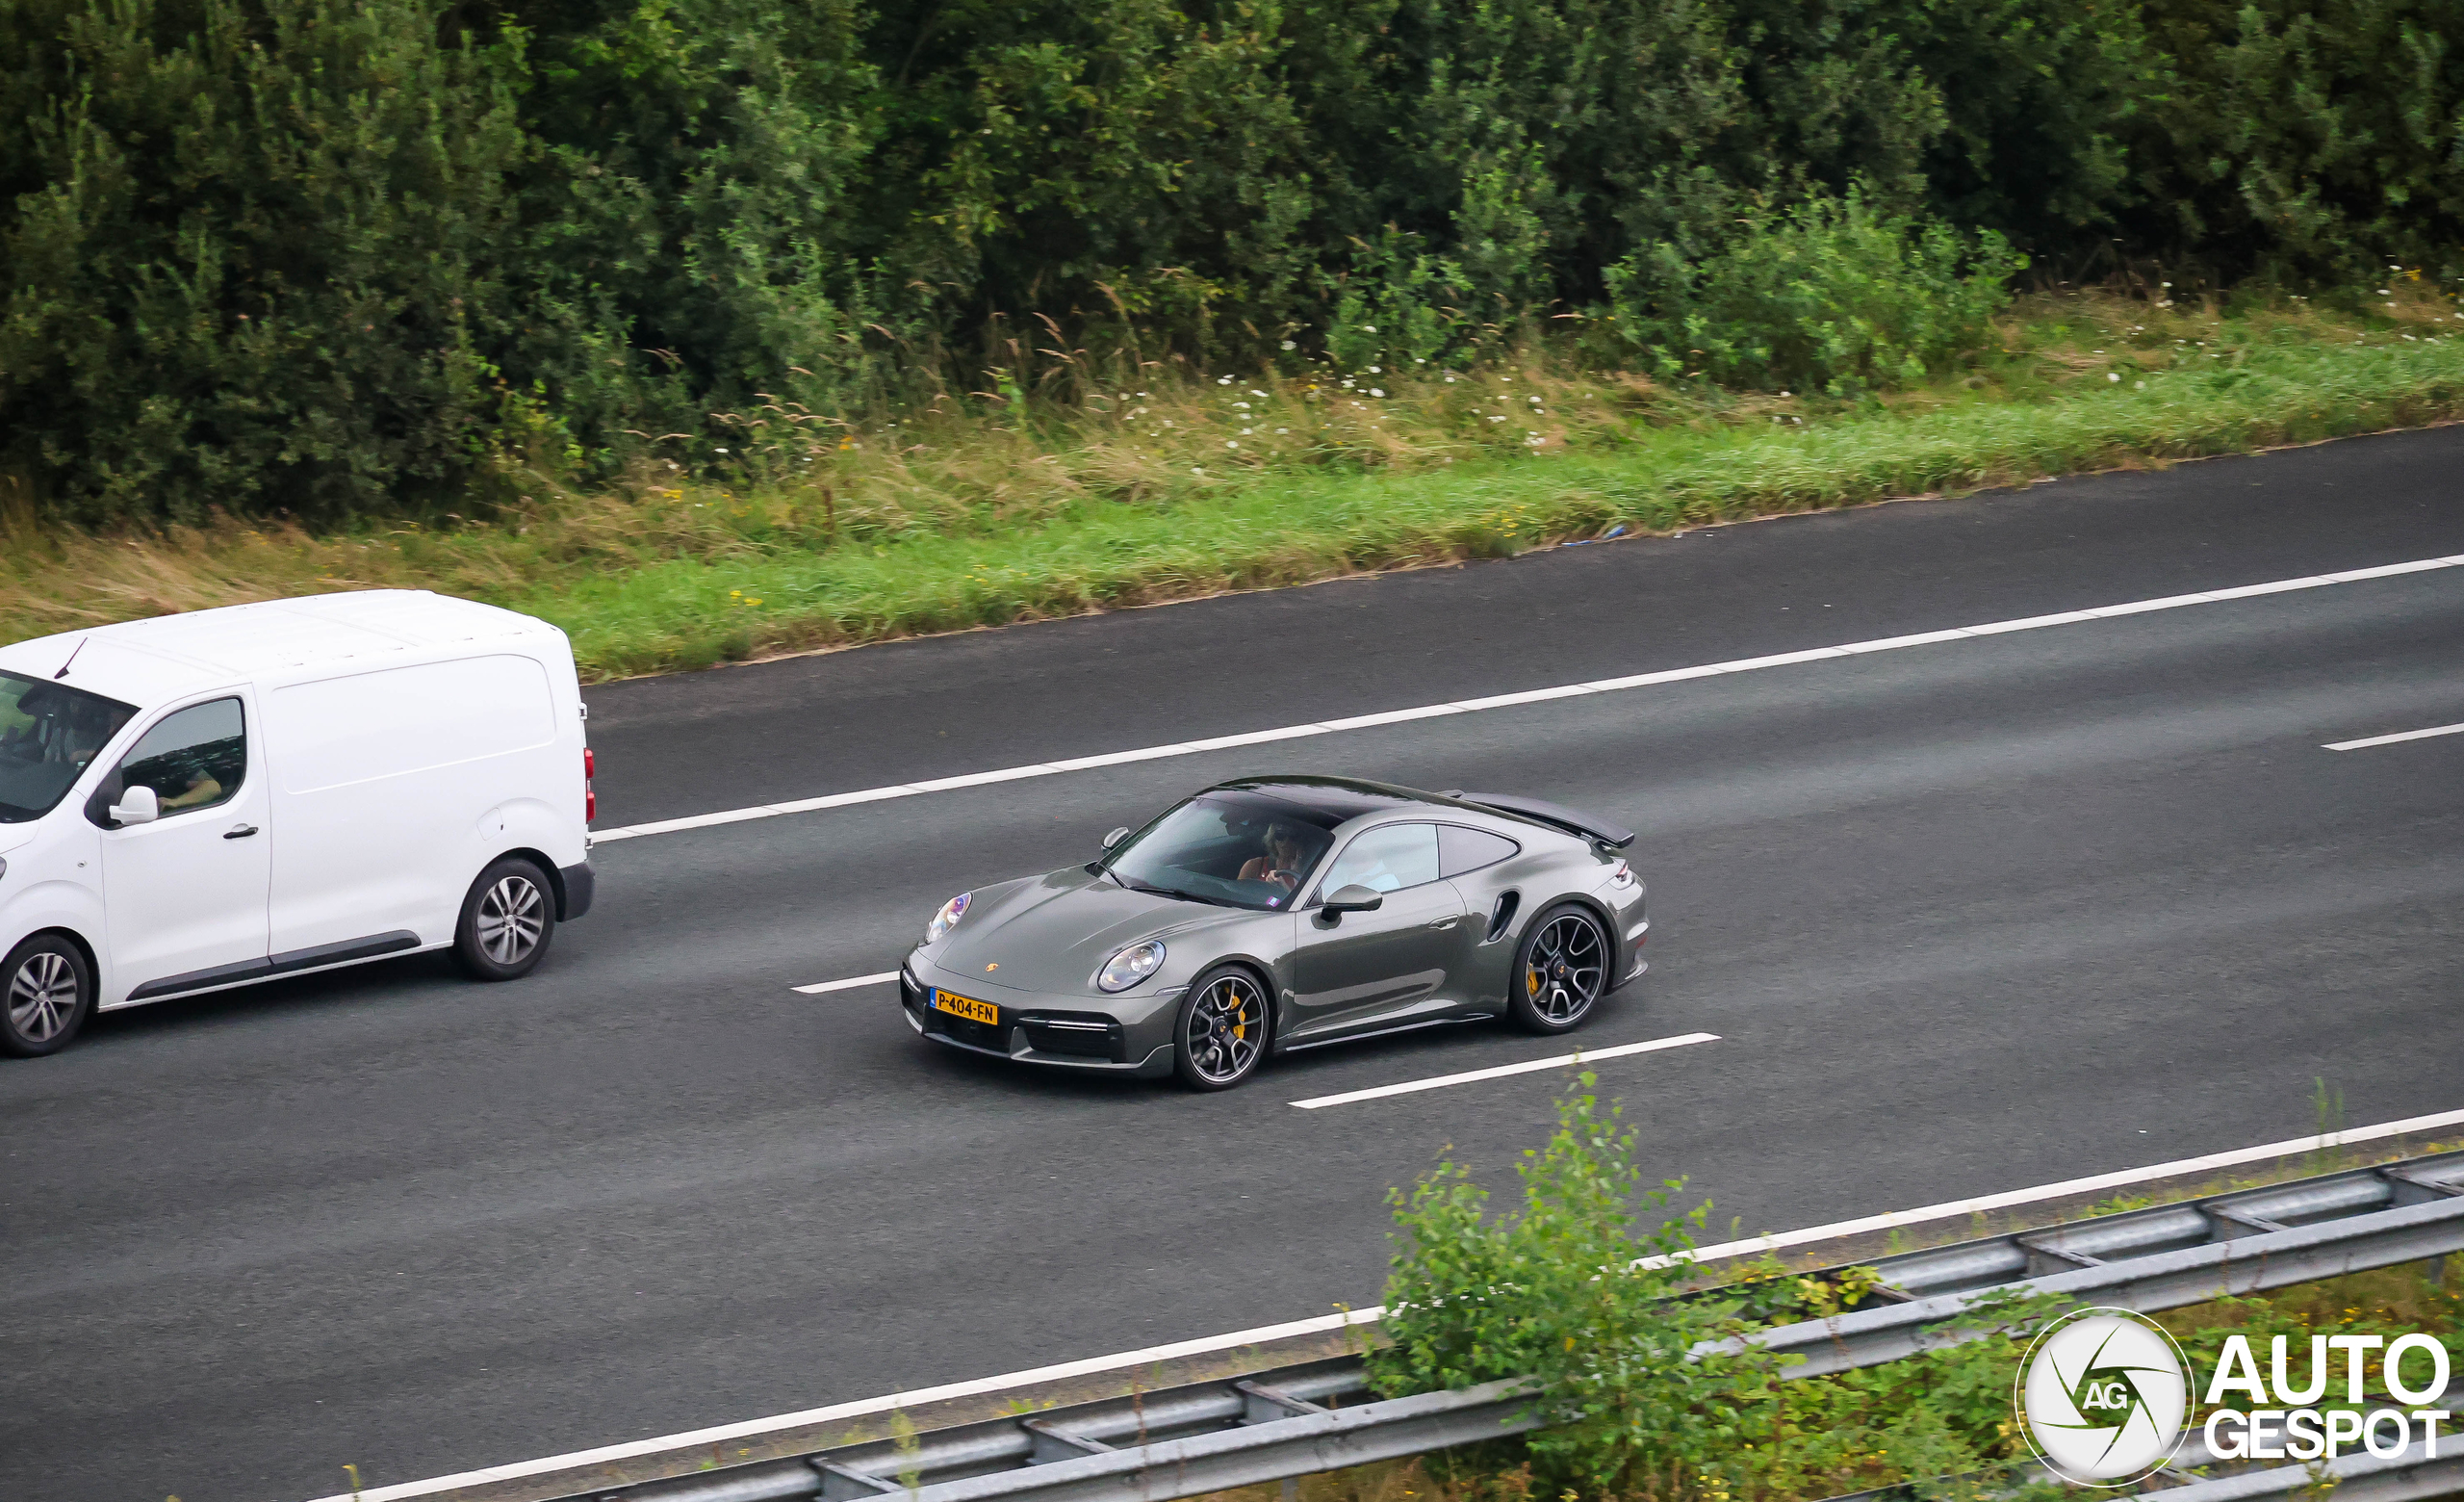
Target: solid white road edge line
[[666, 826], [749, 1427], [849, 984], [1578, 1056], [2389, 741]]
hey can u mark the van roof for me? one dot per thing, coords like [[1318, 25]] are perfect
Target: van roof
[[143, 663]]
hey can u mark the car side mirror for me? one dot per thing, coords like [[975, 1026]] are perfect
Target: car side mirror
[[138, 806], [1354, 899], [1116, 837]]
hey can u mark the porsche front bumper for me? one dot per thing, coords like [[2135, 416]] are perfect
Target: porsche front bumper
[[1133, 1037]]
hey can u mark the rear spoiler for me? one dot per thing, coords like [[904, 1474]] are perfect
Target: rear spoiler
[[1558, 815]]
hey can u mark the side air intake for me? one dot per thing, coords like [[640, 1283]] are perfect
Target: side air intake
[[1502, 915]]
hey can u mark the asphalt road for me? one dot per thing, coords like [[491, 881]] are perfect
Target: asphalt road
[[1966, 916]]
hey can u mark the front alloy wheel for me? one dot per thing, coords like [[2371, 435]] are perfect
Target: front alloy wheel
[[47, 997], [1222, 1033], [1561, 972]]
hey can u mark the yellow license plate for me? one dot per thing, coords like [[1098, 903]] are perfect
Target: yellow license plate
[[969, 1008]]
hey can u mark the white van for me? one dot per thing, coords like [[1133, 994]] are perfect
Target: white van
[[205, 800]]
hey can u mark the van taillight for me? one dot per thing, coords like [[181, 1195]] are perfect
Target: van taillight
[[589, 764], [589, 799]]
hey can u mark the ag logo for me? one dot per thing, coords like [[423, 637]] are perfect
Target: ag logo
[[2102, 1396]]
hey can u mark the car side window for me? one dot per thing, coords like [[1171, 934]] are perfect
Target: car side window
[[1460, 849], [194, 759], [1386, 859]]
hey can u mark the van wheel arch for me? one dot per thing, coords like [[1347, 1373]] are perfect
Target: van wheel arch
[[538, 858]]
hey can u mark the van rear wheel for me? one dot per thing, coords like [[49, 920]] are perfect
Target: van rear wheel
[[46, 994], [507, 919]]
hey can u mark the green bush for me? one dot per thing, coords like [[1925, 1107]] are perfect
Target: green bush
[[1835, 295], [1577, 1289]]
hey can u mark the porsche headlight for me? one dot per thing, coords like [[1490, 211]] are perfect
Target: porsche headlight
[[1131, 965], [946, 920]]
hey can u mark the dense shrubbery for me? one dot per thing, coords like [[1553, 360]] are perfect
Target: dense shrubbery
[[1834, 295], [331, 254]]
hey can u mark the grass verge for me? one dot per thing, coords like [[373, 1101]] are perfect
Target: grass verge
[[832, 532]]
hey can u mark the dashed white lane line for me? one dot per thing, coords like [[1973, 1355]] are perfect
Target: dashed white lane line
[[697, 1439], [849, 984], [836, 800], [1579, 1057], [2389, 741]]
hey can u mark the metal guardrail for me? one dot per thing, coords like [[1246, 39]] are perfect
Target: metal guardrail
[[2167, 1228], [1298, 1420], [2412, 1476]]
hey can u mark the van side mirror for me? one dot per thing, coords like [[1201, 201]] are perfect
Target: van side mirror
[[1354, 899], [1116, 837], [138, 806]]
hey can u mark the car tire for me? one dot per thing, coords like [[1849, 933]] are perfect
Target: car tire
[[1561, 969], [46, 994], [508, 915], [1220, 1034]]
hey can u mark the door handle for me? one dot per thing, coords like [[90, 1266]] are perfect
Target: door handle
[[1446, 922], [238, 831]]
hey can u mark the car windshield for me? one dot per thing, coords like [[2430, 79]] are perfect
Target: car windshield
[[48, 732], [1239, 851]]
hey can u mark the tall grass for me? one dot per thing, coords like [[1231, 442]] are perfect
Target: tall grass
[[831, 531]]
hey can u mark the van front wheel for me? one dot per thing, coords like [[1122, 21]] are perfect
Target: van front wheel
[[46, 994], [507, 920]]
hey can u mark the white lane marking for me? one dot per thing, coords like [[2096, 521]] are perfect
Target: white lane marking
[[849, 984], [1506, 700], [2389, 741], [1562, 1060], [1235, 1340]]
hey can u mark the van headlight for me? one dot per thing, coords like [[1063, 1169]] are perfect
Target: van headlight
[[1131, 965], [948, 918]]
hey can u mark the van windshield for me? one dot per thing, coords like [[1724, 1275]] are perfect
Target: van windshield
[[48, 732]]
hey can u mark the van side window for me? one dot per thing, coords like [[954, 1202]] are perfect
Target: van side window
[[1386, 859], [194, 759], [1460, 849]]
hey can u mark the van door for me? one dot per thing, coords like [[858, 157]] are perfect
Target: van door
[[184, 898]]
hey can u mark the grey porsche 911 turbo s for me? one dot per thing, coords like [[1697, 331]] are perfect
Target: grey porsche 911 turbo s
[[1273, 914]]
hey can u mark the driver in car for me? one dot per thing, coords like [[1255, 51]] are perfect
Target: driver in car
[[1281, 864]]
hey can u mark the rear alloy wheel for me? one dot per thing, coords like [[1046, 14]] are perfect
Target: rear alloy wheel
[[507, 920], [1222, 1030], [48, 995], [1560, 971]]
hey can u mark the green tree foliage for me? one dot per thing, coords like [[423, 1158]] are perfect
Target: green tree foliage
[[331, 255], [254, 257], [2309, 141]]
